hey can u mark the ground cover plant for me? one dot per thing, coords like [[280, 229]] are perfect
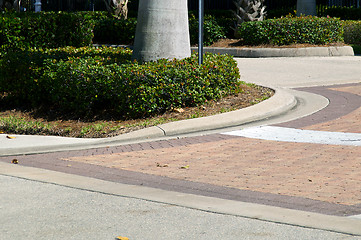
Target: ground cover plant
[[97, 92]]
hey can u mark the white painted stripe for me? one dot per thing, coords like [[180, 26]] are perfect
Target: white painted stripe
[[299, 135]]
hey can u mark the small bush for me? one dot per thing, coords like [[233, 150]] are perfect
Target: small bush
[[352, 32], [289, 30], [89, 81]]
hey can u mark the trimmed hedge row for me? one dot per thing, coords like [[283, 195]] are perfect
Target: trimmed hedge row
[[344, 13], [52, 30], [45, 30], [352, 32], [90, 80], [289, 30]]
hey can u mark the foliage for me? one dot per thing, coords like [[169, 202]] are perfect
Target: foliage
[[289, 30], [90, 80], [352, 32], [111, 30], [212, 30], [22, 81], [344, 13], [45, 29]]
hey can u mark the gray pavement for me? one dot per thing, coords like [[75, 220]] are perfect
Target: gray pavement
[[40, 204]]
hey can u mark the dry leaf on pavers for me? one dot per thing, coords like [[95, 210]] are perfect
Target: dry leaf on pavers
[[162, 165], [10, 137], [185, 167], [15, 161], [121, 238]]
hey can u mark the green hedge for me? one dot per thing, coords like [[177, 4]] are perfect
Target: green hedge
[[21, 81], [344, 13], [45, 30], [352, 32], [88, 80], [289, 30], [52, 30]]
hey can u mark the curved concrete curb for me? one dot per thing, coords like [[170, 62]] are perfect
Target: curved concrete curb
[[283, 52], [280, 103]]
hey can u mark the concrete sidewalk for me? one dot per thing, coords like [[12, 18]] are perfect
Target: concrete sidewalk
[[198, 177]]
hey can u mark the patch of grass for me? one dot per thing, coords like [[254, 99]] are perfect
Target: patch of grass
[[19, 125]]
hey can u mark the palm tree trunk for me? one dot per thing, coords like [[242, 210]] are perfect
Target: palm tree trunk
[[162, 30], [306, 7]]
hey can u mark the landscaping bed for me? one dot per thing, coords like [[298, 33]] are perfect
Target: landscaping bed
[[100, 92]]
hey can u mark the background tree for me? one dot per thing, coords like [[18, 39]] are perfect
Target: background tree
[[117, 8], [249, 10]]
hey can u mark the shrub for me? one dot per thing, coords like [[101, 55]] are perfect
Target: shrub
[[344, 13], [289, 30], [45, 29], [115, 31], [22, 81], [90, 80], [352, 32], [212, 30]]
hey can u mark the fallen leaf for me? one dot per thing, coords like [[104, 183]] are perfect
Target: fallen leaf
[[185, 167], [15, 161], [10, 137], [121, 238], [162, 165], [178, 110], [1, 132]]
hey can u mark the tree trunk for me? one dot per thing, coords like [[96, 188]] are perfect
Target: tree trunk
[[117, 7], [162, 30], [306, 7]]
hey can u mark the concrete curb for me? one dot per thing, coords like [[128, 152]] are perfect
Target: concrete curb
[[270, 52], [346, 225], [280, 103], [282, 52]]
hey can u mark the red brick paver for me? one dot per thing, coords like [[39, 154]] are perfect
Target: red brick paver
[[326, 173], [320, 172]]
